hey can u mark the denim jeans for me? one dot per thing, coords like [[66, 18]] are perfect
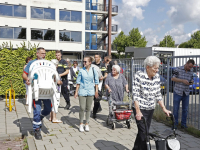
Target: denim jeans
[[176, 105], [38, 115]]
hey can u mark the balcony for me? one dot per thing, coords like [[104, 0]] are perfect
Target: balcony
[[100, 7], [100, 27]]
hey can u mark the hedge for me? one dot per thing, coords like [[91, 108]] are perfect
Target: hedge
[[11, 66]]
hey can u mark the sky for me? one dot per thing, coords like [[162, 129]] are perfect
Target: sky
[[157, 18]]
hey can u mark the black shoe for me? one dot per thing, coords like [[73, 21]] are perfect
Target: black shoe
[[94, 116], [67, 106], [37, 134], [184, 127], [99, 110]]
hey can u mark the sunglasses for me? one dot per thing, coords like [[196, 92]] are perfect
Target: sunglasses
[[84, 61]]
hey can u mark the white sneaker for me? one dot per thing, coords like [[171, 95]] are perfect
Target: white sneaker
[[87, 128], [81, 128]]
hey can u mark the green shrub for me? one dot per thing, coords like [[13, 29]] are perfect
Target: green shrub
[[11, 66]]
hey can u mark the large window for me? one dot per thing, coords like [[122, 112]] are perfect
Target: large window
[[75, 16], [72, 36], [42, 34], [43, 13], [13, 10], [12, 33]]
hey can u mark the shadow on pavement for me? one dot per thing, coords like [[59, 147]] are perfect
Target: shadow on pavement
[[108, 145], [71, 121], [25, 125]]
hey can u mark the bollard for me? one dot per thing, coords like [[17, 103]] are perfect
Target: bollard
[[11, 103]]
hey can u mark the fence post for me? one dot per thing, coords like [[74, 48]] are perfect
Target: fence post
[[131, 67], [168, 82]]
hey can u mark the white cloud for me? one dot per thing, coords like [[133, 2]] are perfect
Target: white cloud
[[151, 36], [182, 11], [179, 35], [161, 9], [128, 10]]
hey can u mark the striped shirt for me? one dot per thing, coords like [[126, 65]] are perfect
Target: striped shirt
[[180, 87], [145, 90]]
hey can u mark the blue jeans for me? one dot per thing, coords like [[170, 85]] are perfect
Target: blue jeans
[[37, 114], [185, 104]]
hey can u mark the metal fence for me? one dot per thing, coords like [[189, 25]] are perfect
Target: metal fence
[[193, 117], [130, 66]]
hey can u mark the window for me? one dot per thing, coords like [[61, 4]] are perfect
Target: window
[[12, 33], [75, 16], [43, 13], [74, 0], [13, 10], [40, 34], [72, 36]]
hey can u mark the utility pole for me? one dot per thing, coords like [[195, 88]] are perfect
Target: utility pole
[[109, 26]]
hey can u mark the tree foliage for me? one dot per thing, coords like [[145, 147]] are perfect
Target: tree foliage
[[134, 38], [167, 42], [11, 66]]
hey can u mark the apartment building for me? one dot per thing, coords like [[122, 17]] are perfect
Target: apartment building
[[73, 26]]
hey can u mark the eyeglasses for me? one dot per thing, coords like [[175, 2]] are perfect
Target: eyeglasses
[[84, 61]]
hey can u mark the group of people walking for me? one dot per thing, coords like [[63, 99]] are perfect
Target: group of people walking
[[95, 73]]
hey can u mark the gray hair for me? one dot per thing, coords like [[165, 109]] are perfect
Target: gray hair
[[117, 67], [39, 48], [151, 61]]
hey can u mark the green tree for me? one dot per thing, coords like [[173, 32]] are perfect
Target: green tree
[[184, 45], [167, 42], [135, 38], [194, 42], [120, 42]]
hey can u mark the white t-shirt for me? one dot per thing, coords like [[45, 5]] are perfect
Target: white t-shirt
[[69, 75], [75, 69]]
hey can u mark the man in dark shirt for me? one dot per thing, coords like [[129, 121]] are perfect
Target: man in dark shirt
[[110, 64], [63, 73], [97, 106]]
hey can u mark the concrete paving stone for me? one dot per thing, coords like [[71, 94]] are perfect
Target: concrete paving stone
[[101, 135], [124, 142], [41, 147], [86, 137], [108, 148], [113, 138], [76, 138], [68, 130], [48, 137], [83, 142], [80, 147], [53, 146], [192, 149], [41, 142], [71, 143], [123, 147], [110, 143], [92, 146], [77, 134], [192, 144], [66, 135], [65, 148], [54, 141]]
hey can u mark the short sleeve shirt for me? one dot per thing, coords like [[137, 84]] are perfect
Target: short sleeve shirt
[[62, 66]]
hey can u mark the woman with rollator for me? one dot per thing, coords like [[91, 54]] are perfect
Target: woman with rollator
[[146, 89]]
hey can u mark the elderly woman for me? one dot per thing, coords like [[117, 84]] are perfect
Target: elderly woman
[[116, 82], [146, 89]]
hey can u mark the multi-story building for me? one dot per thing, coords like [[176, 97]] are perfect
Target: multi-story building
[[73, 26]]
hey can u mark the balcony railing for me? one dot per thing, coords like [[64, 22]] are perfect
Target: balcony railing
[[100, 7], [100, 27]]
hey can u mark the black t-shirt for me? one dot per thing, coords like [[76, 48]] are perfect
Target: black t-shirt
[[102, 67], [109, 67], [62, 66]]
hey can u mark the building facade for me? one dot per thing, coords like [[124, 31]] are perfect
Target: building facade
[[73, 26]]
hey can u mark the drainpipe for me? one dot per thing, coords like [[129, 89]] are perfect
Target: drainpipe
[[109, 26], [104, 47]]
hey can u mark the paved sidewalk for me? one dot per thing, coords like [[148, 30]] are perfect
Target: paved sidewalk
[[65, 135]]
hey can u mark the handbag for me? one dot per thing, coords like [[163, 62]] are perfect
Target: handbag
[[99, 92]]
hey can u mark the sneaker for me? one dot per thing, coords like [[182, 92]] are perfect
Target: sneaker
[[81, 128], [67, 106], [37, 134], [87, 128]]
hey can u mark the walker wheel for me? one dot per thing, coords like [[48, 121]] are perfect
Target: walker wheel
[[113, 126], [107, 121]]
